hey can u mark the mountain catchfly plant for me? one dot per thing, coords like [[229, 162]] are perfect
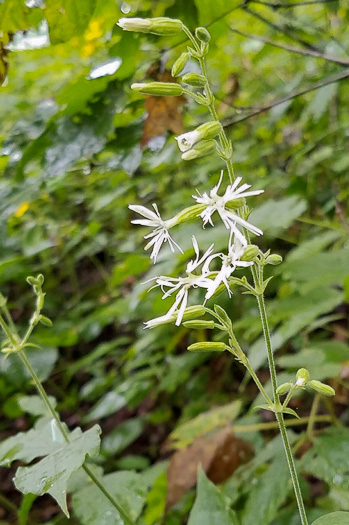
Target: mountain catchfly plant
[[231, 206]]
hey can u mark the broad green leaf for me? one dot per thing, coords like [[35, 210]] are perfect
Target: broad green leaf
[[185, 434], [35, 406], [275, 216], [51, 474], [42, 360], [26, 446], [321, 101], [68, 18], [268, 493], [13, 16], [334, 518], [92, 508], [211, 506], [122, 436]]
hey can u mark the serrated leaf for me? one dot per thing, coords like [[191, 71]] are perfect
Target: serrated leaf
[[334, 518], [92, 507], [211, 506], [51, 474]]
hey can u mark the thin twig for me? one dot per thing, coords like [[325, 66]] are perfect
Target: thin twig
[[292, 49], [290, 5], [283, 30], [328, 80]]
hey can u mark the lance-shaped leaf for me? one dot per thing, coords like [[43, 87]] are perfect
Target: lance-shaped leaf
[[51, 474]]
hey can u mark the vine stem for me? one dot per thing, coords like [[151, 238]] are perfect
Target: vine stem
[[22, 355], [258, 281]]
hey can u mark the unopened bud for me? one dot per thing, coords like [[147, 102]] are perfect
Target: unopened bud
[[193, 311], [202, 34], [206, 131], [32, 281], [199, 324], [251, 251], [156, 26], [40, 278], [323, 389], [194, 79], [180, 64], [283, 389], [162, 89], [274, 259], [302, 377], [205, 147], [207, 347], [45, 321]]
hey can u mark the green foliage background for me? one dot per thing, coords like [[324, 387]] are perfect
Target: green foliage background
[[71, 162]]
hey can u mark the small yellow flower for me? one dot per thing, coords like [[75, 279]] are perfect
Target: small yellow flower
[[22, 209], [94, 30]]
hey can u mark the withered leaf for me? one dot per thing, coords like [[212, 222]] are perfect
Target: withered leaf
[[219, 455]]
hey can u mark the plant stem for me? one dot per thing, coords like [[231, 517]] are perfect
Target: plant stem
[[312, 416], [258, 281]]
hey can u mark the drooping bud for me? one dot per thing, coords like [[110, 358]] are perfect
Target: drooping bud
[[180, 64], [302, 377], [323, 389], [207, 347], [251, 251], [32, 280], [156, 26], [206, 131], [194, 79], [199, 324], [274, 259], [161, 89], [202, 34], [283, 389], [205, 147], [45, 321]]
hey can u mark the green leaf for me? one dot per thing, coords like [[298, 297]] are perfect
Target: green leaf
[[35, 406], [68, 18], [274, 216], [211, 506], [51, 474], [213, 419], [122, 436], [334, 518], [268, 493], [92, 508]]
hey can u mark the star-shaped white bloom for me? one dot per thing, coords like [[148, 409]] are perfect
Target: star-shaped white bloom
[[182, 285], [214, 203], [160, 232], [229, 263]]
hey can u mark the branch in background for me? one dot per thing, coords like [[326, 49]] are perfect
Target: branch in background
[[283, 30], [309, 52], [317, 85], [290, 5]]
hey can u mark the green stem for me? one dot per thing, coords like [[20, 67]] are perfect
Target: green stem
[[258, 281], [288, 397], [312, 416], [8, 332]]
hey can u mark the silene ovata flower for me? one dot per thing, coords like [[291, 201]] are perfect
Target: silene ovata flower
[[160, 233], [181, 286], [214, 203]]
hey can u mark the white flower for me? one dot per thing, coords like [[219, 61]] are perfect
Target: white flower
[[160, 233], [216, 203], [229, 264], [187, 140], [182, 285]]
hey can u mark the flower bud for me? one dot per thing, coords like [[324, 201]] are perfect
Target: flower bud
[[283, 389], [207, 347], [32, 280], [40, 278], [205, 147], [202, 34], [274, 259], [159, 88], [199, 324], [206, 131], [180, 64], [323, 389], [193, 311], [251, 251], [302, 377], [45, 321], [193, 79], [156, 26]]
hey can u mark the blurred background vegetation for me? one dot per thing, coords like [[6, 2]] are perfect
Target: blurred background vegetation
[[78, 146]]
